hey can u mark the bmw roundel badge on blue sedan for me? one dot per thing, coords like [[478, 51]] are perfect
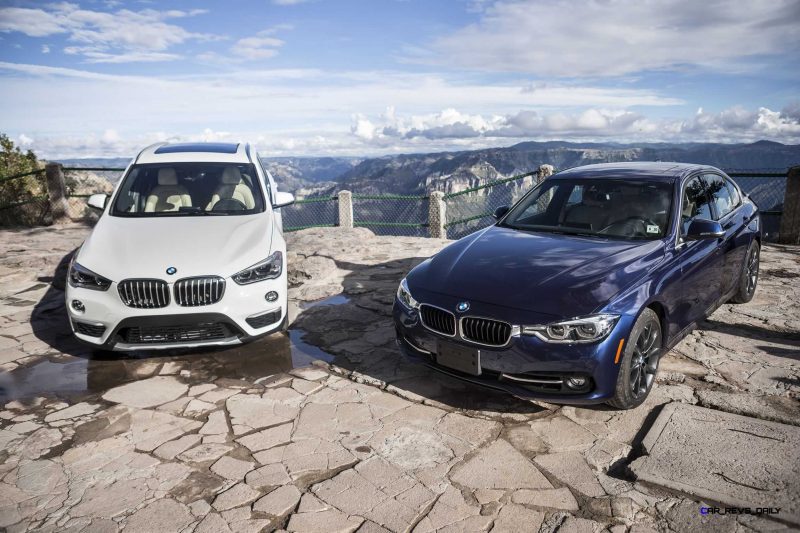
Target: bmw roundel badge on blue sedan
[[580, 288]]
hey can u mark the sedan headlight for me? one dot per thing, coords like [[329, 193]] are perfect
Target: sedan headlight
[[404, 295], [590, 328], [82, 277], [269, 268]]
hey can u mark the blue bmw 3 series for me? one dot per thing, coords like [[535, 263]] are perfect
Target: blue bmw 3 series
[[579, 288]]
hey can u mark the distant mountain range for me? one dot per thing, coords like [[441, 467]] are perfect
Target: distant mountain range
[[453, 171]]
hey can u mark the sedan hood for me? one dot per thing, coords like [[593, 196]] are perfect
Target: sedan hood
[[560, 275], [129, 247]]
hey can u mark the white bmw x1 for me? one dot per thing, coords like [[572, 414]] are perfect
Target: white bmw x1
[[189, 251]]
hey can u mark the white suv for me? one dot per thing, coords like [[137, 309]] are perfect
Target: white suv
[[188, 252]]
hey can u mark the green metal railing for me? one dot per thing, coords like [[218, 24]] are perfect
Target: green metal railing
[[402, 214]]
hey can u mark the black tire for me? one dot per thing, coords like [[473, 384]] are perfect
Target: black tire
[[641, 354], [748, 279]]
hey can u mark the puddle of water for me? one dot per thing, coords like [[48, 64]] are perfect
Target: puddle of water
[[337, 299], [75, 377], [57, 379], [303, 354]]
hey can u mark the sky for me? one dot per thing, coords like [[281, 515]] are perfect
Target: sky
[[104, 78]]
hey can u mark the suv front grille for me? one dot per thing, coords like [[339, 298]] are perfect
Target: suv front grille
[[438, 320], [485, 331], [203, 290], [175, 334], [144, 293]]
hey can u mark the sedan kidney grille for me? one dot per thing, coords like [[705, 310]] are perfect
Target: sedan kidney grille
[[194, 292], [144, 293], [485, 331], [438, 320]]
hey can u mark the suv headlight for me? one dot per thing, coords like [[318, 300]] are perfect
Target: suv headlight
[[82, 277], [404, 295], [590, 328], [269, 268]]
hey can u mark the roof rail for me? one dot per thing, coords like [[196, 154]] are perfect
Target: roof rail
[[162, 143]]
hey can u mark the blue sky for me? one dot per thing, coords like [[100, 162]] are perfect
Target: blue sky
[[337, 77]]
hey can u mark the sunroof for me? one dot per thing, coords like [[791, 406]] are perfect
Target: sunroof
[[218, 148]]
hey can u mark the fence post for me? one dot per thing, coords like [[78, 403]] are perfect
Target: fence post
[[436, 215], [790, 219], [345, 209], [57, 192], [544, 172]]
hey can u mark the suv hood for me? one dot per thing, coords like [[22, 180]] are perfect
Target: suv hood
[[547, 273], [128, 247]]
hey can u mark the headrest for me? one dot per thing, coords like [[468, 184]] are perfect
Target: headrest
[[231, 176], [595, 197], [167, 176]]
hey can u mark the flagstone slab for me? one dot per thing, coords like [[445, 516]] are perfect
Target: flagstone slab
[[722, 457]]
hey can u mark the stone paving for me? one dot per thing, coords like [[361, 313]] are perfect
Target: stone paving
[[249, 439]]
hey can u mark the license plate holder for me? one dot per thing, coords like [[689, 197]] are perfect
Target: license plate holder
[[461, 358]]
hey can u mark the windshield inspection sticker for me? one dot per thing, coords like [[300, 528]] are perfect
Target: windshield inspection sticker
[[652, 229]]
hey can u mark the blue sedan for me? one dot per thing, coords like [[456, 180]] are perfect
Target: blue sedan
[[578, 290]]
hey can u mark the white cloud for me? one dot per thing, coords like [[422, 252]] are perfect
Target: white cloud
[[45, 49], [24, 141], [105, 37], [730, 125], [609, 38], [314, 112], [257, 47]]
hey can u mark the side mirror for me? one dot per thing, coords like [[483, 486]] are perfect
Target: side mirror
[[98, 201], [501, 211], [701, 228], [282, 199]]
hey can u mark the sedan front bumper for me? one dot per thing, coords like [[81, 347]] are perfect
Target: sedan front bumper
[[527, 366]]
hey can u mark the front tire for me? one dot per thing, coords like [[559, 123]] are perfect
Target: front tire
[[748, 280], [637, 372]]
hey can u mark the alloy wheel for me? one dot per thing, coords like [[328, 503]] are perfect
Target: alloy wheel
[[752, 271], [644, 361]]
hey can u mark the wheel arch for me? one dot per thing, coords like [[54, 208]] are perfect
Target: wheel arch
[[660, 311]]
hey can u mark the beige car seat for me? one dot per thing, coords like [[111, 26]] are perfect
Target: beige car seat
[[167, 195], [232, 187]]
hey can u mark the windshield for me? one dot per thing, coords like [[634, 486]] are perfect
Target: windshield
[[619, 208], [185, 189]]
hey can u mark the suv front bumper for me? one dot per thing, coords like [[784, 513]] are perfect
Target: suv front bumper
[[241, 315]]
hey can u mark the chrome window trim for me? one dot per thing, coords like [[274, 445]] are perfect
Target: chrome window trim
[[679, 242]]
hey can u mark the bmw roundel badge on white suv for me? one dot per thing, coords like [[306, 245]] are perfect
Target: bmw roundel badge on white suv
[[189, 252]]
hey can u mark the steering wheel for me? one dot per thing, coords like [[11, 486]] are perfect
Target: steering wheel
[[644, 223], [229, 204], [635, 226]]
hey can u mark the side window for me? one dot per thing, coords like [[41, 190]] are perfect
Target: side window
[[576, 196], [720, 195], [265, 173], [695, 203], [734, 192]]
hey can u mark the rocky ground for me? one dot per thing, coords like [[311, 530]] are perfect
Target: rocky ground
[[255, 438]]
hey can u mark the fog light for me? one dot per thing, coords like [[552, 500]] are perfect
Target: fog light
[[576, 382], [271, 296], [77, 305]]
